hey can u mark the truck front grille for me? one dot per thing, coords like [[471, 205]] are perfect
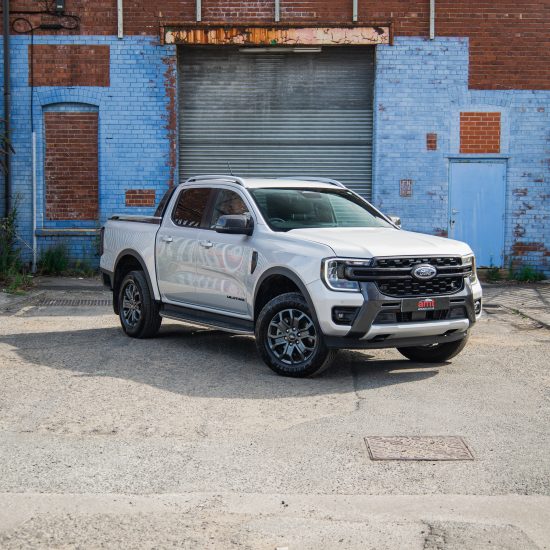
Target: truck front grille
[[393, 276]]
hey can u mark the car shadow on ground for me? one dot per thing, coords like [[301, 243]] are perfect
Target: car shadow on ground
[[202, 362]]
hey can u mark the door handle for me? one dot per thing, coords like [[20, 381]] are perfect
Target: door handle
[[166, 239], [454, 211], [206, 244]]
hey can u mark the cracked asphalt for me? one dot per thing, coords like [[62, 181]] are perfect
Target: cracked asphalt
[[190, 441]]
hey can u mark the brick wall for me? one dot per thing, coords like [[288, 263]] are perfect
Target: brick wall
[[69, 65], [509, 40], [140, 197], [480, 132], [71, 165], [421, 87]]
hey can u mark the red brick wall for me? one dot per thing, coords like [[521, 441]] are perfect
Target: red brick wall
[[72, 65], [431, 142], [140, 197], [71, 165], [509, 39], [480, 132]]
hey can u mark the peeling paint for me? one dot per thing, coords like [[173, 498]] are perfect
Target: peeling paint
[[171, 115], [520, 249], [276, 36], [519, 230], [520, 192]]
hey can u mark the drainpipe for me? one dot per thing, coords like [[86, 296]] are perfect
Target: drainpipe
[[198, 10], [34, 240], [120, 19], [432, 19], [7, 102], [355, 10], [277, 11]]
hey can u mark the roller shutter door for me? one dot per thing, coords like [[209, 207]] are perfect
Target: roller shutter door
[[277, 114]]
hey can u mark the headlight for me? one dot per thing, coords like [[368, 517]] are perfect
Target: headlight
[[333, 273], [470, 260]]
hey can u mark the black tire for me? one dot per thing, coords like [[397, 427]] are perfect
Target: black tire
[[437, 353], [139, 314], [289, 339]]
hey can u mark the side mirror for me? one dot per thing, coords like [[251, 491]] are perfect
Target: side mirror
[[235, 224], [396, 220]]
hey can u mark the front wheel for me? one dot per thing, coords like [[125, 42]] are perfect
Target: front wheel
[[139, 313], [435, 353], [288, 338]]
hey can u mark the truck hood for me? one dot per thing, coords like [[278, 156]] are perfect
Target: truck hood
[[367, 242]]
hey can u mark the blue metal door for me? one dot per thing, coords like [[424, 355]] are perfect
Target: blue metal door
[[477, 207]]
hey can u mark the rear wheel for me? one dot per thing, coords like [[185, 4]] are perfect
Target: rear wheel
[[288, 338], [138, 311], [436, 353]]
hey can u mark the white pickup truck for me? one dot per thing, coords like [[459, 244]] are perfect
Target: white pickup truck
[[305, 265]]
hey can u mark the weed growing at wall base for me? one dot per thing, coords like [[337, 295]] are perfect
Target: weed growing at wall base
[[528, 274], [13, 277]]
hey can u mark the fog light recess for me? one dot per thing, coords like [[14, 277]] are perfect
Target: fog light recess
[[344, 315]]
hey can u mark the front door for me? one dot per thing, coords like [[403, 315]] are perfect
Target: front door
[[477, 208], [223, 260]]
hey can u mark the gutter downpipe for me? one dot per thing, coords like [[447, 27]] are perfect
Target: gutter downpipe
[[34, 241], [432, 19], [120, 19], [7, 104]]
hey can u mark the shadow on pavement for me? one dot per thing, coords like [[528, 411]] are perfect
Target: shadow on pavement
[[204, 363]]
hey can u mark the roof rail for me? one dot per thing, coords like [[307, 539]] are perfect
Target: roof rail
[[320, 180], [204, 177]]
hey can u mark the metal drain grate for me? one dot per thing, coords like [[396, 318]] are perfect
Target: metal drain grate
[[418, 448], [45, 302]]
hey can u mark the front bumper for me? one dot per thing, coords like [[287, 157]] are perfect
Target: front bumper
[[365, 333]]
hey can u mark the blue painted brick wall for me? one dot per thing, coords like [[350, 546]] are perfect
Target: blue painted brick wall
[[421, 87], [133, 138]]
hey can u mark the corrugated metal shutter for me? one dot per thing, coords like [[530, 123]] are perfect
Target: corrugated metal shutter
[[277, 114]]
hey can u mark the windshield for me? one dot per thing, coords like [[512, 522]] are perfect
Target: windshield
[[286, 209]]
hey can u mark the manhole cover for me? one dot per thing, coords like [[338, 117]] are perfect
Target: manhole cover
[[417, 448], [73, 303]]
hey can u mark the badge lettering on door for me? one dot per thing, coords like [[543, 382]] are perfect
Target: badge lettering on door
[[426, 304]]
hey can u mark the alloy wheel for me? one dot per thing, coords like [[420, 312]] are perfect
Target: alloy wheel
[[131, 304], [291, 336]]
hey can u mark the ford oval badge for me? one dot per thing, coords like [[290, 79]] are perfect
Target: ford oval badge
[[424, 272]]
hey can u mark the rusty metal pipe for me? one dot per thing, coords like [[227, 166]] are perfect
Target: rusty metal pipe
[[7, 107]]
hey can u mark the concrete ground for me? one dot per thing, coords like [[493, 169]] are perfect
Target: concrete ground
[[189, 440]]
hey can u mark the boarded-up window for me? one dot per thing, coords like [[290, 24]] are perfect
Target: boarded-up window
[[71, 165]]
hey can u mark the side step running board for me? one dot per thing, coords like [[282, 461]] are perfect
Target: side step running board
[[205, 318]]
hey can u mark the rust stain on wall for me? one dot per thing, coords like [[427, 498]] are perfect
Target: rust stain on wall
[[171, 115], [276, 36], [519, 249]]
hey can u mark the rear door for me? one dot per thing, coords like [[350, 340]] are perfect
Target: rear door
[[224, 261], [177, 241]]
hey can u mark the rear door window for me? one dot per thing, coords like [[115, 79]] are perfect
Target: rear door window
[[191, 207]]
